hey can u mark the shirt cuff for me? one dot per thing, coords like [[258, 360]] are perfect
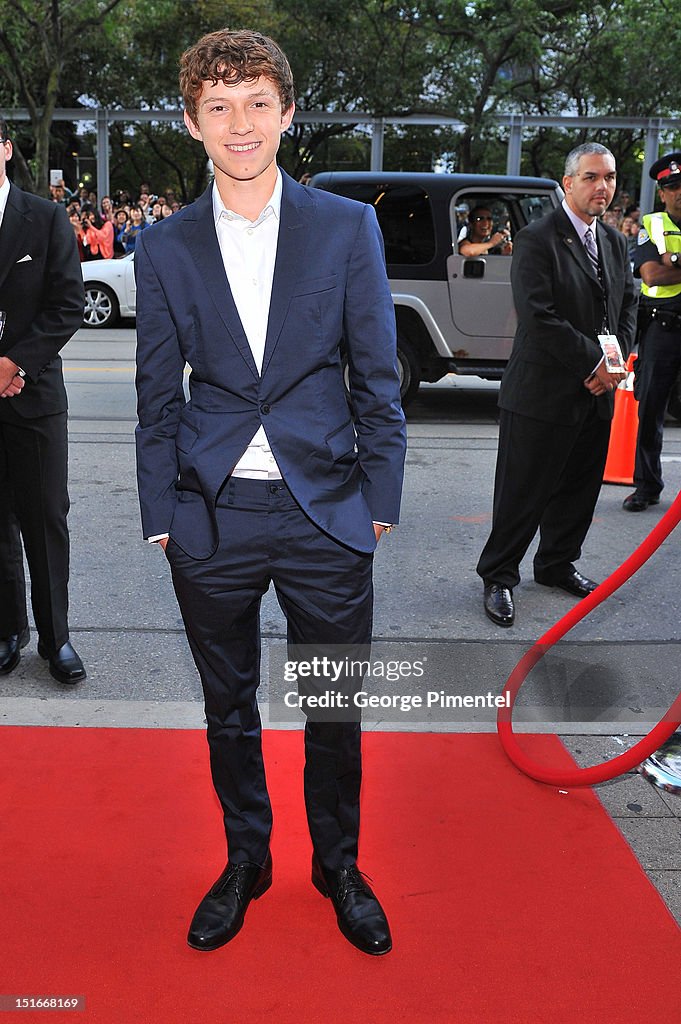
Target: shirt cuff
[[157, 538]]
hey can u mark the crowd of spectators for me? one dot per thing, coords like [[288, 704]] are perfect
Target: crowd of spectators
[[107, 229], [625, 215]]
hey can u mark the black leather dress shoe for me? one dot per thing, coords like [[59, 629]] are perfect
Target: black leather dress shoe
[[499, 605], [220, 914], [360, 916], [10, 650], [637, 503], [65, 665], [573, 582]]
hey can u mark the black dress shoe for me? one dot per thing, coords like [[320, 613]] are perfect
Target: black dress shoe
[[65, 665], [360, 916], [499, 605], [10, 650], [573, 582], [220, 914], [637, 503]]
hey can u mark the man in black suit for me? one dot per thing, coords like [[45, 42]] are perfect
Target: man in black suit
[[41, 305], [556, 395]]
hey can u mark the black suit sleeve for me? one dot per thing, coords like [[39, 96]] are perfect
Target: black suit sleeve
[[59, 310], [545, 301]]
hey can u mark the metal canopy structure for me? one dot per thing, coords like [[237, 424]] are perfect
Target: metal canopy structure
[[515, 124]]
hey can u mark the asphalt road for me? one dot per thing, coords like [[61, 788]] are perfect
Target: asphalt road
[[617, 670]]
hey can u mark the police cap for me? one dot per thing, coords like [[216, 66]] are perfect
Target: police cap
[[666, 169]]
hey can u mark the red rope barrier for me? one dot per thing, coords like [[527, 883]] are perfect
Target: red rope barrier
[[655, 738]]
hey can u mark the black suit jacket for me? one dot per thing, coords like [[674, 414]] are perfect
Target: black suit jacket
[[559, 303], [41, 291]]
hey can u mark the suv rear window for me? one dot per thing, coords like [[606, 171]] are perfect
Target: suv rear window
[[404, 217]]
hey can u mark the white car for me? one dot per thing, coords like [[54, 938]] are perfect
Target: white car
[[109, 290]]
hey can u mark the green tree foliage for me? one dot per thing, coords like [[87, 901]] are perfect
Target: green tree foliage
[[38, 39], [467, 59]]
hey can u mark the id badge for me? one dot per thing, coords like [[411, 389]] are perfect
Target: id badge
[[614, 360]]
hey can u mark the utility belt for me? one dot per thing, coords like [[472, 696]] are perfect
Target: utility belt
[[666, 318]]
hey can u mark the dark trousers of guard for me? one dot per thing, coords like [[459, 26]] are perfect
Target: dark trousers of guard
[[325, 592], [656, 369], [548, 478], [34, 504]]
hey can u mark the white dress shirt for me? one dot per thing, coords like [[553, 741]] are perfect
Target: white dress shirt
[[4, 195], [248, 250]]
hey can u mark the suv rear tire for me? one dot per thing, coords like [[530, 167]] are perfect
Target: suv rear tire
[[410, 374], [408, 368]]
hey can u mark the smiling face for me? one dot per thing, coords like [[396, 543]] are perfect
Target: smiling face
[[590, 191], [481, 224], [240, 127]]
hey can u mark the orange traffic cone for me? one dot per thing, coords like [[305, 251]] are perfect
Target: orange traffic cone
[[619, 466]]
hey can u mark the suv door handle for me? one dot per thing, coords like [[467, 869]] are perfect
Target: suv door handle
[[474, 267]]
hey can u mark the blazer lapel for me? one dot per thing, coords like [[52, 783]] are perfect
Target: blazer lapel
[[575, 246], [202, 243], [14, 232], [296, 217], [606, 256]]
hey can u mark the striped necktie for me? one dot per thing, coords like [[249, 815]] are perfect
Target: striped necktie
[[592, 249]]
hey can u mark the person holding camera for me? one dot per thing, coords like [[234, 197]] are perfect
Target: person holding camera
[[482, 239], [98, 236]]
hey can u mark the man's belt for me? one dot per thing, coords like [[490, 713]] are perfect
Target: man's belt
[[666, 318]]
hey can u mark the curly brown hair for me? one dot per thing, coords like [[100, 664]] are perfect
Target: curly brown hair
[[233, 57]]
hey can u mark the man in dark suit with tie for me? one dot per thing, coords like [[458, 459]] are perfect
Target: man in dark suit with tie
[[41, 306], [263, 476], [571, 282]]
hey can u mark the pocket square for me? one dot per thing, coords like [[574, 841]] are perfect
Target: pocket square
[[25, 259]]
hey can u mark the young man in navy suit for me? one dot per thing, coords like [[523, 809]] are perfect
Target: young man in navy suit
[[263, 476]]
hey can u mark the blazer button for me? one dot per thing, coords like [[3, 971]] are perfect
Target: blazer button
[[264, 409]]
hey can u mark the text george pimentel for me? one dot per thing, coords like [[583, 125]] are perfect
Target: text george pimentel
[[399, 702]]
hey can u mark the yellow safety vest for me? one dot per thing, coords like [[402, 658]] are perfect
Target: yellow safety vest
[[666, 237]]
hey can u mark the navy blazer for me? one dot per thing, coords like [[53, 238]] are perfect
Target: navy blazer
[[329, 286], [41, 291], [560, 303]]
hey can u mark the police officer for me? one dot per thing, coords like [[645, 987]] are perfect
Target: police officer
[[657, 261]]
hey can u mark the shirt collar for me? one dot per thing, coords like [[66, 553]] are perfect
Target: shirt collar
[[273, 206], [4, 194], [578, 224]]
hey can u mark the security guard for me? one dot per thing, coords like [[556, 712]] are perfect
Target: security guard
[[657, 261]]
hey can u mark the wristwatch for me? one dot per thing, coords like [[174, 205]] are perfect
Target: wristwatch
[[673, 258]]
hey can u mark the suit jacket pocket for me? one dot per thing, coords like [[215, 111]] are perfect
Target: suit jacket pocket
[[314, 285], [342, 441]]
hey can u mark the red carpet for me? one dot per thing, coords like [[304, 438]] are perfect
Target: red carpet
[[509, 902]]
